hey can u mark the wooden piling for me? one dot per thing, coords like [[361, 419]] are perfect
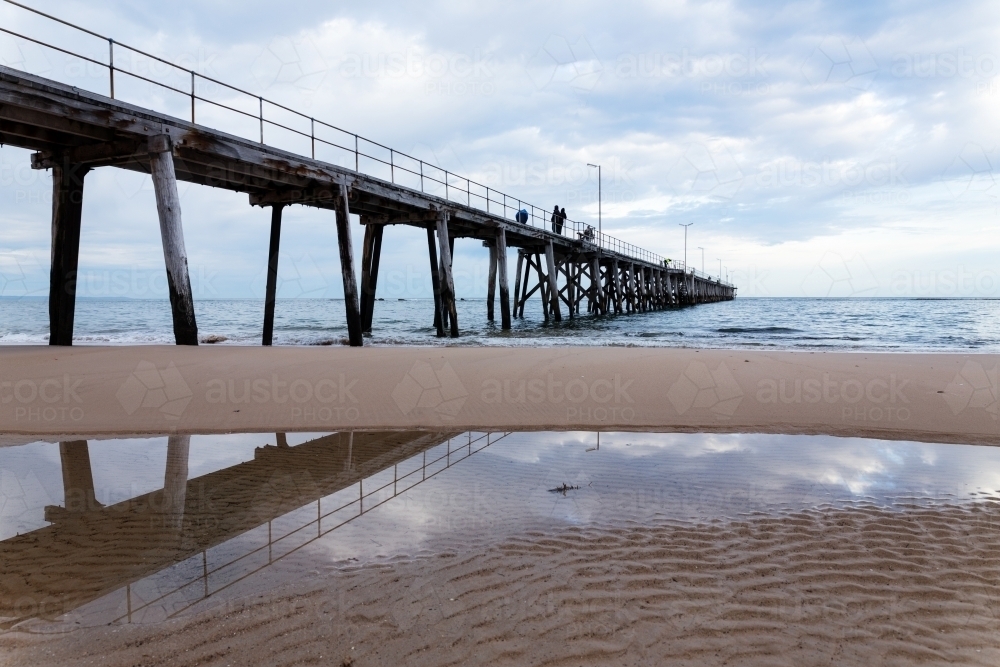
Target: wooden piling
[[168, 206], [517, 284], [435, 282], [542, 287], [501, 255], [448, 281], [369, 273], [617, 282], [550, 263], [571, 286], [67, 211], [347, 269], [491, 286], [270, 293], [595, 284]]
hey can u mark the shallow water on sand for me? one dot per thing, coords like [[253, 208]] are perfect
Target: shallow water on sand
[[176, 526], [815, 324]]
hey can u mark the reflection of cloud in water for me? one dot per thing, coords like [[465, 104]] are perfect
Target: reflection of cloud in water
[[648, 476], [503, 490]]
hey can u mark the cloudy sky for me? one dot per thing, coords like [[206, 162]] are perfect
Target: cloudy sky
[[820, 149]]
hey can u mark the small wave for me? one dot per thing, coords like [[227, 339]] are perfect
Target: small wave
[[758, 330]]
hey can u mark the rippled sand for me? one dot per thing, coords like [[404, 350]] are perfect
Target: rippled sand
[[914, 583]]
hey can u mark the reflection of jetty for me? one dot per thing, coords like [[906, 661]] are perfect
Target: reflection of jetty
[[75, 131], [93, 550]]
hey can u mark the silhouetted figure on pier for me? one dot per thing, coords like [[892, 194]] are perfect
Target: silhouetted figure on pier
[[562, 219], [556, 220]]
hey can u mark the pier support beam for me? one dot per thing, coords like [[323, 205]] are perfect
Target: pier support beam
[[447, 279], [369, 273], [501, 265], [595, 285], [67, 210], [571, 277], [435, 282], [77, 476], [271, 291], [175, 480], [542, 287], [518, 307], [550, 265], [168, 206], [347, 269], [617, 278], [491, 287]]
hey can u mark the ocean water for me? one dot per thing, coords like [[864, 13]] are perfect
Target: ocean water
[[763, 323]]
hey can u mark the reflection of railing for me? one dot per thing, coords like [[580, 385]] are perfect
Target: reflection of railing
[[357, 152], [412, 478]]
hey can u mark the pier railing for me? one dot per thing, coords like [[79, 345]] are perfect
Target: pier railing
[[217, 577], [264, 118]]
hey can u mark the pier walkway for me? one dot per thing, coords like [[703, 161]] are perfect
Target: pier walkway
[[72, 131]]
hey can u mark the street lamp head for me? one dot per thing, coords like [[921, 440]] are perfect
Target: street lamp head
[[597, 166]]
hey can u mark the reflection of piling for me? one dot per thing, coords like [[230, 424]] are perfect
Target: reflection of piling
[[78, 481], [175, 480]]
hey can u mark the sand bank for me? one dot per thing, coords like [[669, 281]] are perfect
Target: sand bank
[[854, 585], [158, 389]]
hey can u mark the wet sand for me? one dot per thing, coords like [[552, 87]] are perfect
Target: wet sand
[[858, 584], [912, 583], [93, 391]]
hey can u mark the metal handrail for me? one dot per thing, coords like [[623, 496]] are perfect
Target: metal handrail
[[448, 457], [485, 198]]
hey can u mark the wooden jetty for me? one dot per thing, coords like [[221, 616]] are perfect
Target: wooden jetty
[[74, 131]]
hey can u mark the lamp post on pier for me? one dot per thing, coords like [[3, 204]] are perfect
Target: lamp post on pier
[[598, 167], [720, 268], [685, 226]]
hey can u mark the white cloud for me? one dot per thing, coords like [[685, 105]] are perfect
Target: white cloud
[[783, 134]]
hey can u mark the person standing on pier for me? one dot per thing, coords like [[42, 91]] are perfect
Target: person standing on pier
[[562, 219], [556, 220]]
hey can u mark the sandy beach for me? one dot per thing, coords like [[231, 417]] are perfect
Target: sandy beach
[[912, 582], [95, 391], [859, 585]]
